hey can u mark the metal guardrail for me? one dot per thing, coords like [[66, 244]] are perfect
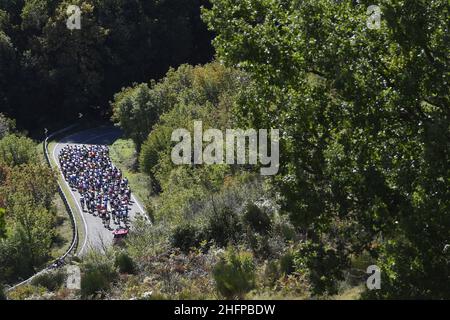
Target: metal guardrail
[[75, 237]]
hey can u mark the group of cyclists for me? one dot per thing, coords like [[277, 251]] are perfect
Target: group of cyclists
[[104, 192]]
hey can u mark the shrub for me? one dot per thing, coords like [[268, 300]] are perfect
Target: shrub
[[271, 272], [52, 280], [287, 263], [256, 218], [124, 263], [16, 150], [322, 266], [2, 293], [92, 282], [283, 227], [259, 244], [98, 273], [25, 292], [224, 227], [185, 237], [235, 274], [147, 240]]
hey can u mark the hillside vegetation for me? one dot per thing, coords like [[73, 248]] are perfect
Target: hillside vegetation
[[364, 170]]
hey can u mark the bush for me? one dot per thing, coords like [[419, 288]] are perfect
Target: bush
[[26, 291], [259, 244], [257, 219], [52, 280], [287, 263], [185, 237], [124, 263], [2, 293], [272, 272], [92, 282], [16, 150], [235, 274], [283, 227], [224, 227], [322, 266], [98, 273]]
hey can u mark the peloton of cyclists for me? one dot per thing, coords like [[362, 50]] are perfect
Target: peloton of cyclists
[[104, 192]]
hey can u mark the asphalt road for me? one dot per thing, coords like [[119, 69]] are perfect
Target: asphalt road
[[97, 236]]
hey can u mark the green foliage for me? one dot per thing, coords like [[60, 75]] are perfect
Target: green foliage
[[136, 110], [186, 236], [323, 266], [287, 263], [156, 143], [7, 126], [235, 274], [27, 189], [52, 280], [10, 266], [282, 227], [364, 120], [2, 293], [19, 254], [185, 188], [256, 218], [415, 271], [2, 223], [32, 232], [49, 72], [124, 263], [35, 14], [35, 182], [224, 226], [16, 150], [8, 67], [187, 94], [93, 282], [271, 272], [98, 273], [146, 239], [25, 292]]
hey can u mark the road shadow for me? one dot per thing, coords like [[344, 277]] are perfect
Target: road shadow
[[104, 135]]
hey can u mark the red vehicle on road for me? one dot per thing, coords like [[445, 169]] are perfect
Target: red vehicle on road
[[119, 235]]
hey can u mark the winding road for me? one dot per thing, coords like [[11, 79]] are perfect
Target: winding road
[[96, 235]]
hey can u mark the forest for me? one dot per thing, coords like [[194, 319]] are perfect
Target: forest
[[364, 168], [49, 73]]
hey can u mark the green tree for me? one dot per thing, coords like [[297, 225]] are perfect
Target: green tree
[[34, 181], [124, 263], [71, 60], [224, 226], [48, 72], [31, 230], [136, 110], [17, 150], [364, 115], [35, 14], [190, 93], [27, 225]]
